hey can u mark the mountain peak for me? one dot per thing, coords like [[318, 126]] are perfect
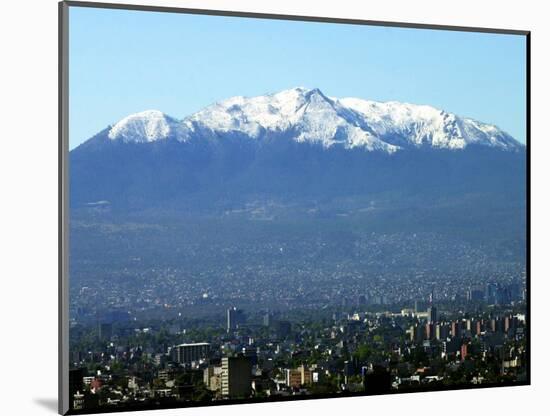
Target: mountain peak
[[145, 126], [314, 91], [298, 93]]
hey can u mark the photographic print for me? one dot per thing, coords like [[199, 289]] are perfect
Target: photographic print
[[263, 208]]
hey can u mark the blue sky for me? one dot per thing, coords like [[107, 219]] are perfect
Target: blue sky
[[122, 62]]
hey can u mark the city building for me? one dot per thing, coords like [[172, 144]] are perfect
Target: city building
[[441, 332], [464, 351], [267, 318], [296, 377], [430, 332], [236, 377], [432, 314], [188, 353], [212, 377], [251, 353], [235, 318], [491, 290], [456, 330], [105, 331], [293, 378]]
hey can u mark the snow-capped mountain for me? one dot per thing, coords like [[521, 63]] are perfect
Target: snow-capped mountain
[[297, 145], [309, 116]]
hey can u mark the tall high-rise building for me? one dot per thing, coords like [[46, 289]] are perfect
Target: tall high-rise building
[[441, 332], [267, 318], [430, 332], [105, 331], [235, 318], [491, 292], [236, 377], [419, 333], [432, 314], [507, 323], [456, 330], [479, 327]]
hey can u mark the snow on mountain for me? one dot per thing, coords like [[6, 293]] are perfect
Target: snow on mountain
[[418, 125], [307, 115], [146, 126]]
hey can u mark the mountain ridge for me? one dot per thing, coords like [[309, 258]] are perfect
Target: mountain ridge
[[309, 116], [295, 145]]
